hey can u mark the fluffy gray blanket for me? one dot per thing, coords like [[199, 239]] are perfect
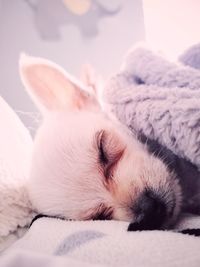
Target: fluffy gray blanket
[[160, 101]]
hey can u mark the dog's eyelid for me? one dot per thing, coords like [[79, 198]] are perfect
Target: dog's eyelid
[[108, 156], [103, 157]]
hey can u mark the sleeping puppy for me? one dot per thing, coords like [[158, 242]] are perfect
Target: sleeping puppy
[[86, 165]]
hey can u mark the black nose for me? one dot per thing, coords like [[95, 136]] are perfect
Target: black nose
[[150, 212]]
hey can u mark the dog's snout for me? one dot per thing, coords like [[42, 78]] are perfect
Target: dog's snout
[[150, 212]]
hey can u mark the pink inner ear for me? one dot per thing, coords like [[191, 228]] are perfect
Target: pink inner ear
[[50, 86]]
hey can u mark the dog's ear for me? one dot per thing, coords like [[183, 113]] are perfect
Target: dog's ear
[[92, 79], [52, 88]]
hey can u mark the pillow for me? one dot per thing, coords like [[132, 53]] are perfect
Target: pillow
[[15, 152]]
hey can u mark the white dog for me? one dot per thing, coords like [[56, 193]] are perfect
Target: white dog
[[88, 166]]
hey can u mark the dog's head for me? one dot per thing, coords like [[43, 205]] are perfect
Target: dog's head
[[87, 165]]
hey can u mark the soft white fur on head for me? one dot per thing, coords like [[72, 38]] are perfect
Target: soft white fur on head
[[84, 164]]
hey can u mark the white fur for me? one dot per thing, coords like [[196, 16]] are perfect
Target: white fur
[[66, 177]]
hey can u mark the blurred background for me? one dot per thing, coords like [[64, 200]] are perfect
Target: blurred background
[[99, 32]]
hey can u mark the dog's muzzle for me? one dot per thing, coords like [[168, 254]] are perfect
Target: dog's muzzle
[[150, 212]]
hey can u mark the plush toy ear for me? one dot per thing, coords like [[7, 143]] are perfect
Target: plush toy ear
[[51, 87]]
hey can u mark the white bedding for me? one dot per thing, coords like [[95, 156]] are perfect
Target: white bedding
[[54, 242]]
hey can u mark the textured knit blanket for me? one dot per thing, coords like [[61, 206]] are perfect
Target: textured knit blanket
[[156, 99], [160, 99]]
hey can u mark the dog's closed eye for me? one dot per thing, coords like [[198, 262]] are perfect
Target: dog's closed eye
[[103, 157], [109, 153]]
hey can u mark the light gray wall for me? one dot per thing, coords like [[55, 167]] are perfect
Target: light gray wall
[[18, 33]]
